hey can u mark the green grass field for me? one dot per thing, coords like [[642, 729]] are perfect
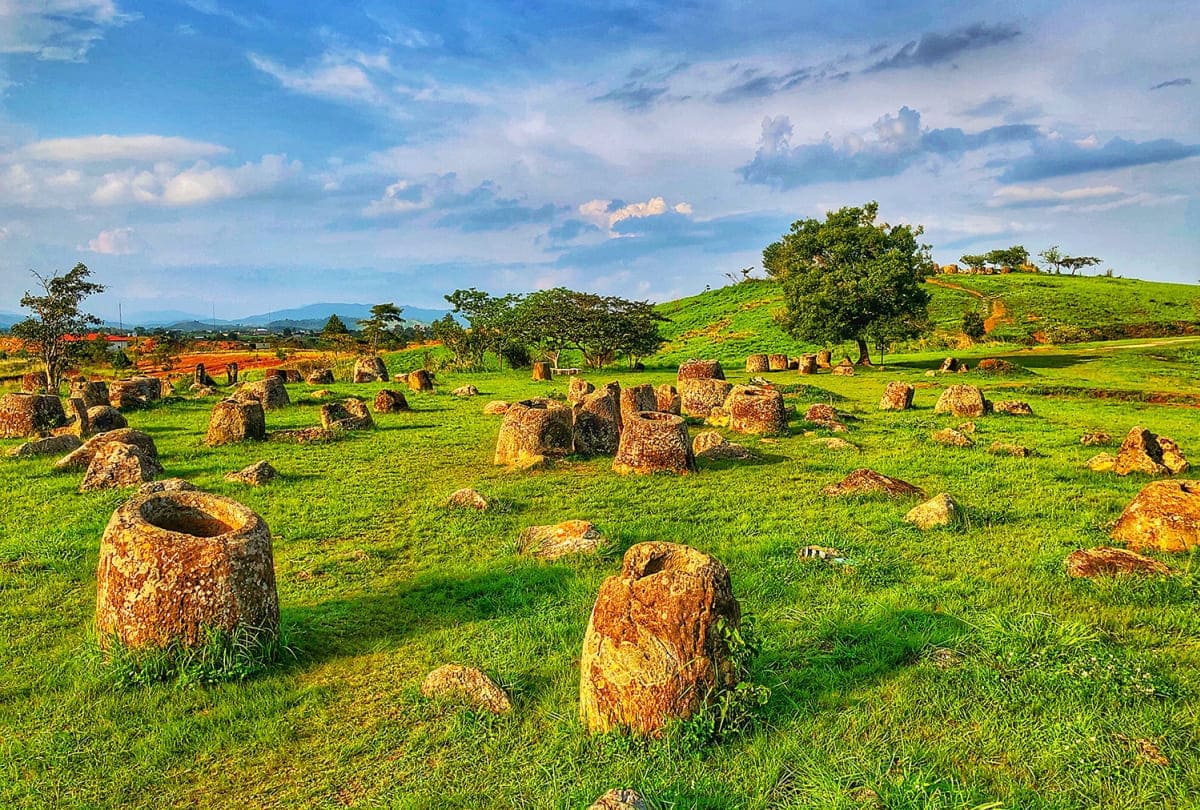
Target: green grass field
[[1057, 694]]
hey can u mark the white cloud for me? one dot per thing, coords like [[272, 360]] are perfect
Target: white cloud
[[198, 185], [339, 79], [399, 197], [1044, 195], [58, 30], [114, 242], [602, 213], [96, 148]]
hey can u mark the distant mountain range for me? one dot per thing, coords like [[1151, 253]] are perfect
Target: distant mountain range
[[312, 316]]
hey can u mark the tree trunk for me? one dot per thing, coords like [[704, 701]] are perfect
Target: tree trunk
[[864, 355]]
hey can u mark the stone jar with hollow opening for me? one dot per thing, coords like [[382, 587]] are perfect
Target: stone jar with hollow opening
[[654, 442], [756, 410], [534, 428], [176, 565]]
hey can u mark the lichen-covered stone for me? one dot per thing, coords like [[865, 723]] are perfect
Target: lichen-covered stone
[[636, 398], [1095, 439], [655, 650], [757, 364], [1102, 462], [620, 799], [963, 400], [942, 510], [23, 415], [236, 421], [542, 371], [390, 401], [699, 396], [34, 382], [78, 421], [420, 381], [94, 393], [497, 407], [1172, 457], [824, 358], [48, 446], [898, 396], [1106, 561], [320, 376], [712, 446], [1008, 449], [869, 482], [825, 416], [561, 540], [699, 370], [136, 392], [350, 414], [756, 410], [1141, 453], [654, 442], [534, 427], [82, 457], [807, 364], [1013, 407], [597, 424], [1164, 516], [308, 435], [369, 370], [465, 391], [668, 400], [577, 389], [467, 499], [270, 392], [257, 474], [118, 465], [176, 565], [952, 438], [468, 685], [166, 485], [777, 362], [842, 370]]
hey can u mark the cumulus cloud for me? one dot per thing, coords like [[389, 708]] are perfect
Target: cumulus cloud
[[114, 242], [198, 185], [936, 48], [99, 148], [56, 30], [480, 208], [1057, 157], [607, 213], [895, 143], [1040, 196]]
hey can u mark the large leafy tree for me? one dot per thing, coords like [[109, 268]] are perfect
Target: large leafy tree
[[601, 328], [56, 315], [383, 327], [492, 320], [851, 278]]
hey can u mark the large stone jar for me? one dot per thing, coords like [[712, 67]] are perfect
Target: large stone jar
[[757, 411], [654, 442], [655, 648], [534, 430], [175, 565]]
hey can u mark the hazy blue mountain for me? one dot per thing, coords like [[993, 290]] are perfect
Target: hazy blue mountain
[[312, 316]]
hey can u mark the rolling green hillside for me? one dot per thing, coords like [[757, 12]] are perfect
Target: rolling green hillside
[[734, 321]]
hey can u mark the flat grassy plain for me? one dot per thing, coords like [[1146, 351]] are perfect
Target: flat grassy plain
[[1055, 693]]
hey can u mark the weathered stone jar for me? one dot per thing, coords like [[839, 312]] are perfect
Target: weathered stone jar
[[654, 649], [654, 442], [534, 430], [370, 369], [24, 415], [757, 411], [175, 564]]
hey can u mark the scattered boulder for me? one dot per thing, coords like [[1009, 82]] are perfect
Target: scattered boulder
[[204, 391], [655, 649], [1013, 407], [117, 465], [654, 442], [869, 482], [465, 391], [635, 398], [824, 358], [1164, 516], [533, 430], [50, 445], [807, 364], [23, 414], [578, 389], [321, 376], [467, 499], [620, 799], [420, 381], [777, 362], [308, 435], [560, 540], [369, 369], [1142, 452], [94, 393], [897, 396], [942, 510], [1005, 449], [77, 418], [1172, 457], [542, 372], [698, 396], [963, 400], [468, 685], [757, 364], [757, 411], [351, 414], [236, 421], [175, 566], [1097, 439], [843, 370], [823, 415], [269, 392], [1102, 462], [82, 457], [699, 370], [1106, 561], [949, 365], [34, 382], [257, 474], [712, 446], [390, 401], [717, 417], [668, 399], [952, 438], [597, 424], [497, 407]]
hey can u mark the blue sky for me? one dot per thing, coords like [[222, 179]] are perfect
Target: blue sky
[[251, 156]]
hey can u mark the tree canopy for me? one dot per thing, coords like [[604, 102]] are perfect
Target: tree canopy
[[599, 327], [383, 327], [56, 315], [851, 278]]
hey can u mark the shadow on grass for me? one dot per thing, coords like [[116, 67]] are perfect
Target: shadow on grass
[[385, 619]]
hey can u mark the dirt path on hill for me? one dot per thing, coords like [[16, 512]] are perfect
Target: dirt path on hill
[[998, 311]]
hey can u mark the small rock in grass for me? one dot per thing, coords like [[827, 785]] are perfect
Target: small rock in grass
[[966, 427], [713, 446], [559, 540], [1095, 439], [257, 474], [940, 511], [869, 482], [620, 800], [166, 485], [837, 443], [1106, 561], [467, 498], [468, 685], [496, 407], [465, 391], [1102, 462], [1004, 449], [952, 438], [1013, 407], [51, 445]]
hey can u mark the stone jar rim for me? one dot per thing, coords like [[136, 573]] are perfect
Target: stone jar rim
[[191, 516]]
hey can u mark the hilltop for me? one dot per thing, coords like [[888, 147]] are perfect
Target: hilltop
[[732, 322]]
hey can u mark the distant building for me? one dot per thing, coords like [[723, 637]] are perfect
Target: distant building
[[114, 343]]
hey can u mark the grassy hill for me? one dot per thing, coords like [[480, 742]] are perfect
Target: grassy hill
[[734, 321]]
